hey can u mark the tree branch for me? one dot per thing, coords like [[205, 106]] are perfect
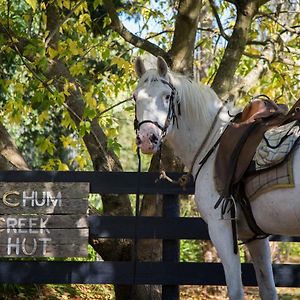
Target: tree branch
[[61, 22], [128, 36], [182, 49], [216, 15], [223, 80], [10, 156], [241, 88]]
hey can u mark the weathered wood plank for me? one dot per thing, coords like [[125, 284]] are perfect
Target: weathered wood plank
[[43, 242], [35, 221], [61, 236], [67, 206], [68, 190], [51, 250], [43, 197]]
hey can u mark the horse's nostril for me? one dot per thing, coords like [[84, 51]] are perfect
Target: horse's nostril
[[153, 138], [138, 140]]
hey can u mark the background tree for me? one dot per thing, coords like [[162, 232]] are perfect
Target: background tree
[[65, 64]]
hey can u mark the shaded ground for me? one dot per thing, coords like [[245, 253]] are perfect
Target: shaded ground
[[105, 292], [219, 293], [57, 292]]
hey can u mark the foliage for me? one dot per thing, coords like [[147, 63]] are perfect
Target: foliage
[[33, 106], [191, 251]]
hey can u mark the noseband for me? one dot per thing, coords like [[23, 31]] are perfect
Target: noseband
[[171, 116]]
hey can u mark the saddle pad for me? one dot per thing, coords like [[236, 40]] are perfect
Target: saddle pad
[[275, 178], [275, 145]]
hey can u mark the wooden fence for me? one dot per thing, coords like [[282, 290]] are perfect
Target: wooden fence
[[170, 273]]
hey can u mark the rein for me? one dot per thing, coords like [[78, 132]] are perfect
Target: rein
[[202, 162], [184, 179]]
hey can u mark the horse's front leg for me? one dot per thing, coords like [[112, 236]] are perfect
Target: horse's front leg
[[261, 258], [221, 235]]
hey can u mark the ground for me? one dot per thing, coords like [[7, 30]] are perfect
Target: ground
[[105, 292], [219, 293]]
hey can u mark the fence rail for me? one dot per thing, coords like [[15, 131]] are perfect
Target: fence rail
[[171, 228]]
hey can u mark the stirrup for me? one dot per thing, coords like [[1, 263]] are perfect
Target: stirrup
[[233, 205]]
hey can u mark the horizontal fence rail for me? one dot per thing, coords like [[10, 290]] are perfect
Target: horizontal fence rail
[[185, 228], [104, 182], [169, 273]]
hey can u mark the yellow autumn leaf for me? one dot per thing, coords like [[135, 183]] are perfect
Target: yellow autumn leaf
[[90, 100], [67, 141], [63, 167], [101, 106], [67, 4], [52, 52], [43, 116], [73, 47], [77, 68], [32, 3], [122, 63], [81, 161], [66, 89]]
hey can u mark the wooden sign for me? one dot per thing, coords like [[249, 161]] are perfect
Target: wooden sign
[[43, 219]]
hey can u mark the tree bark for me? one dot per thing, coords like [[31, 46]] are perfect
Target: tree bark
[[223, 80], [128, 36], [10, 157], [104, 160], [182, 49]]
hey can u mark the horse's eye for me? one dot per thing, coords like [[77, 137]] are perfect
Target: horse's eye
[[167, 97]]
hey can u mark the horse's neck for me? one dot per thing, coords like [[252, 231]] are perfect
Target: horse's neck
[[191, 134]]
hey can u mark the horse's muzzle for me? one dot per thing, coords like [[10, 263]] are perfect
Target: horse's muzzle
[[148, 142]]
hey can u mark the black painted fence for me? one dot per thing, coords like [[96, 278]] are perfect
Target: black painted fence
[[171, 228]]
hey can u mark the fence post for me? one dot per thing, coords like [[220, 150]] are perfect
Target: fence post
[[171, 248]]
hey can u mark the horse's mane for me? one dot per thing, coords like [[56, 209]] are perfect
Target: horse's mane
[[197, 100]]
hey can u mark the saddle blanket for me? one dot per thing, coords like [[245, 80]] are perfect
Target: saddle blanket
[[275, 145], [277, 177]]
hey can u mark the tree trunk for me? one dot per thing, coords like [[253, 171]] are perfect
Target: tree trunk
[[223, 80]]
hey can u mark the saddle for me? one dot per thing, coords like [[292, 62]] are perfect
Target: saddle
[[240, 139], [238, 146]]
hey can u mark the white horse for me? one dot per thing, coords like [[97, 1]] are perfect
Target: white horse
[[159, 96]]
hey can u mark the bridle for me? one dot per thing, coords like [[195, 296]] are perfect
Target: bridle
[[172, 113], [172, 117]]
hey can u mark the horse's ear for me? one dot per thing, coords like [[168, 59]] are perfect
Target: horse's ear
[[139, 67], [162, 66]]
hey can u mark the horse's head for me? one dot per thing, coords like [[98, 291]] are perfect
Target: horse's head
[[155, 105]]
